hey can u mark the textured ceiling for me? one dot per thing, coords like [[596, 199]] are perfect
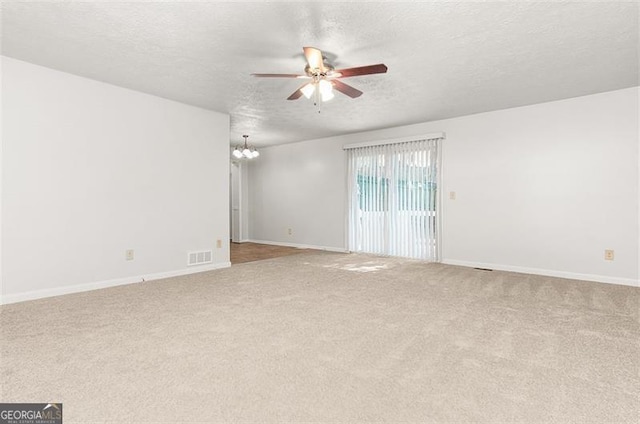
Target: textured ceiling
[[444, 59]]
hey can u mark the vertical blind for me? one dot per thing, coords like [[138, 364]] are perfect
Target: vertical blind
[[393, 206]]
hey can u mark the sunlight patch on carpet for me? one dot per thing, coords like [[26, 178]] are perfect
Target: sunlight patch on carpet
[[365, 267]]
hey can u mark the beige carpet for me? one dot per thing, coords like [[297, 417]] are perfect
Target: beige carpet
[[328, 337]]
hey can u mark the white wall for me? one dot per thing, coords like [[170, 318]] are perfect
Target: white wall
[[299, 186], [90, 170], [543, 188]]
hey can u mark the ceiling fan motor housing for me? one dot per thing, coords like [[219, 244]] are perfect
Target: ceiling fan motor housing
[[319, 72]]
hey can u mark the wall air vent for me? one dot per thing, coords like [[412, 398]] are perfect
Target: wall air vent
[[199, 258]]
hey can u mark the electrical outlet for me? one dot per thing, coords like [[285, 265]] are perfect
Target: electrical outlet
[[289, 231], [219, 244], [128, 254], [608, 255], [452, 195]]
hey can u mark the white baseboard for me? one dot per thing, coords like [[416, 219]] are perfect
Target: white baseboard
[[186, 271], [58, 291], [547, 272], [300, 246]]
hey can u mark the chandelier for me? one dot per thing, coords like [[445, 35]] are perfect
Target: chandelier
[[245, 151]]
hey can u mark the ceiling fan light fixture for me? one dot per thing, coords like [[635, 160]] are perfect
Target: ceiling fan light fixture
[[325, 87], [308, 90], [327, 95], [326, 90]]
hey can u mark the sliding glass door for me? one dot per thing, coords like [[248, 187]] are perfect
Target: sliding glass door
[[393, 206]]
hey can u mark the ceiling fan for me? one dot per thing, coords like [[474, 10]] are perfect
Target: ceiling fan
[[324, 77]]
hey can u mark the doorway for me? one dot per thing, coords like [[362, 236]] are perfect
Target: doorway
[[235, 203]]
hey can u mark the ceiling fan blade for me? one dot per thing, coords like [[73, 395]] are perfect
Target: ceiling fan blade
[[346, 89], [314, 58], [296, 94], [380, 68], [279, 75]]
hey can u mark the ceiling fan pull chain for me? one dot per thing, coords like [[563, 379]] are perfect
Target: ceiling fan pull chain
[[317, 99]]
